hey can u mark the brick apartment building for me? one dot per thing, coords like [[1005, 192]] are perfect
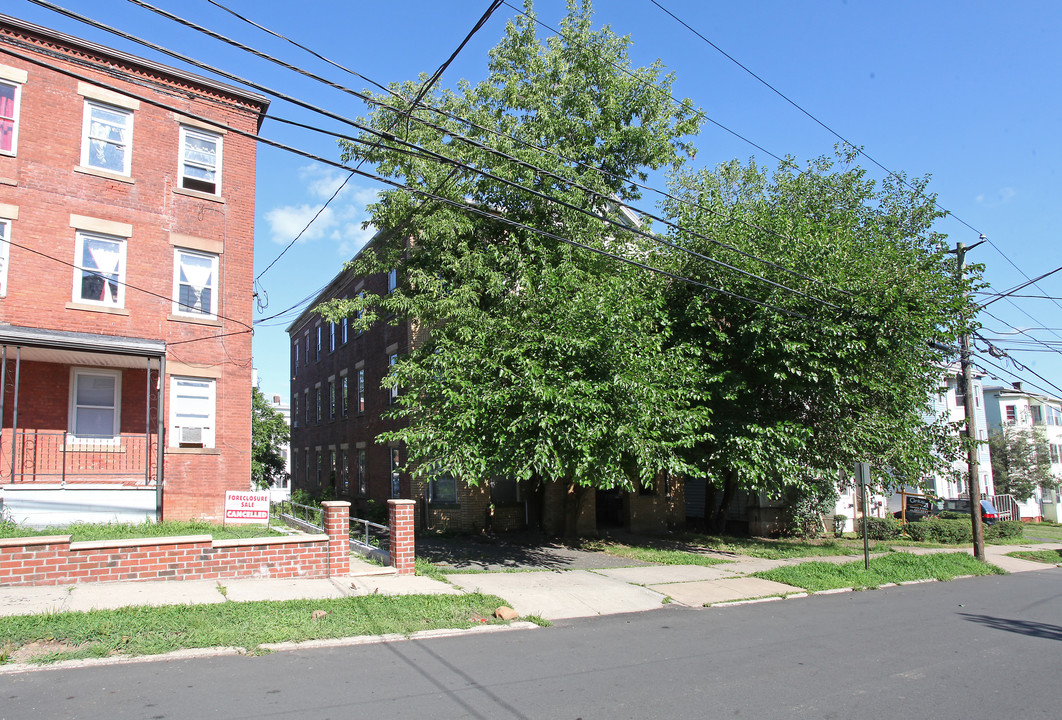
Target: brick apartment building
[[337, 412], [126, 245]]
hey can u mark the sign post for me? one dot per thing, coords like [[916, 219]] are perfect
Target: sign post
[[862, 471]]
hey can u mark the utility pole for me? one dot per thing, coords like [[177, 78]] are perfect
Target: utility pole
[[971, 420]]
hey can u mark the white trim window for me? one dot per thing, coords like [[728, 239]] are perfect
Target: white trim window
[[392, 392], [195, 282], [107, 138], [193, 412], [99, 272], [200, 161], [10, 99], [5, 253], [95, 403]]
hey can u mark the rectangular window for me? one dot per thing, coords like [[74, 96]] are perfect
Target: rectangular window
[[1054, 415], [95, 403], [361, 392], [331, 400], [392, 280], [358, 315], [396, 489], [99, 273], [195, 278], [192, 412], [307, 361], [331, 337], [295, 359], [1012, 413], [10, 95], [344, 394], [306, 406], [442, 488], [345, 332], [363, 478], [332, 469], [1054, 455], [1036, 415], [5, 253], [504, 491], [107, 138], [295, 410], [341, 469], [318, 470], [317, 355], [317, 396], [200, 161], [393, 390]]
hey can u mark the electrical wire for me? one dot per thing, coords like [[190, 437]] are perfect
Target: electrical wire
[[465, 207], [493, 131], [367, 129]]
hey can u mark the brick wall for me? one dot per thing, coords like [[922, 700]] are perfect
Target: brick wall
[[54, 560], [44, 182]]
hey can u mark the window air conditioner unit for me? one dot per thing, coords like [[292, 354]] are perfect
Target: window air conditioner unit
[[190, 436]]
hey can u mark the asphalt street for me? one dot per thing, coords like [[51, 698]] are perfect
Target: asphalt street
[[973, 648]]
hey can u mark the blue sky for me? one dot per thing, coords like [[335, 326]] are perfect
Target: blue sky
[[965, 90]]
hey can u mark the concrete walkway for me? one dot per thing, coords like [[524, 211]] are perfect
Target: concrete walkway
[[550, 594]]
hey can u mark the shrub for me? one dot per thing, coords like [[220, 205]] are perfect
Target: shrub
[[1005, 529], [941, 531], [887, 528]]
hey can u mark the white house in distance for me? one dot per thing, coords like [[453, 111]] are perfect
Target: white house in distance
[[1014, 406], [948, 401]]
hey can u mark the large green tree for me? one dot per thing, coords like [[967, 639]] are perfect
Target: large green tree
[[1021, 461], [269, 433], [835, 347], [535, 359]]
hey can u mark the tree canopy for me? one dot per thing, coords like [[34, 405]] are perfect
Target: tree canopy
[[269, 433], [1021, 461], [795, 327], [544, 359], [835, 347]]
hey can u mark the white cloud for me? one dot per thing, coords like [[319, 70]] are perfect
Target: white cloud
[[340, 222], [1003, 196]]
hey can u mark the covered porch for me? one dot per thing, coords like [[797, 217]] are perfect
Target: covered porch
[[82, 417]]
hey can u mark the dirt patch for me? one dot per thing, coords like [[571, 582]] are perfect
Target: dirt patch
[[26, 653]]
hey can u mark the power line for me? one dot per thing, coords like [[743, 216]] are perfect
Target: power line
[[382, 134], [406, 113], [465, 207]]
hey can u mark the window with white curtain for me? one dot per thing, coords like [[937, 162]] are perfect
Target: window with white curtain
[[95, 403], [99, 273], [200, 161], [195, 279], [193, 413], [107, 138]]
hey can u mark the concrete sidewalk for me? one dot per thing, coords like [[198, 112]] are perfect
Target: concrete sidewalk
[[550, 594]]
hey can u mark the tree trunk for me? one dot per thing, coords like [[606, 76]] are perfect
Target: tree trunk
[[729, 487]]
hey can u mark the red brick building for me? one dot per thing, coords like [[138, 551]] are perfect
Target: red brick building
[[126, 245]]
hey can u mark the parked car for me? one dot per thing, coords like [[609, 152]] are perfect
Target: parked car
[[919, 508], [989, 514]]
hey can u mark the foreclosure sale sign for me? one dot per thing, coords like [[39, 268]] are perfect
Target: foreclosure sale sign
[[246, 507]]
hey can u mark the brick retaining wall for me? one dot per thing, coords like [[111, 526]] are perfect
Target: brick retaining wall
[[54, 560]]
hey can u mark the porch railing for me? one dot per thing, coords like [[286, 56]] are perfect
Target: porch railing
[[50, 456]]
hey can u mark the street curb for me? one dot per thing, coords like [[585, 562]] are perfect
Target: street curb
[[196, 653]]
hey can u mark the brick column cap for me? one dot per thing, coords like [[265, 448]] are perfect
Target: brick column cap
[[399, 501], [335, 504]]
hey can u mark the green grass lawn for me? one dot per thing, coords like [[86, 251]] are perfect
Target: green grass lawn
[[1052, 557], [82, 532], [782, 548], [247, 625], [892, 568], [1043, 532]]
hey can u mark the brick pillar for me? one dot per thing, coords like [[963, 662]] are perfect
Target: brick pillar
[[336, 518], [402, 512]]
